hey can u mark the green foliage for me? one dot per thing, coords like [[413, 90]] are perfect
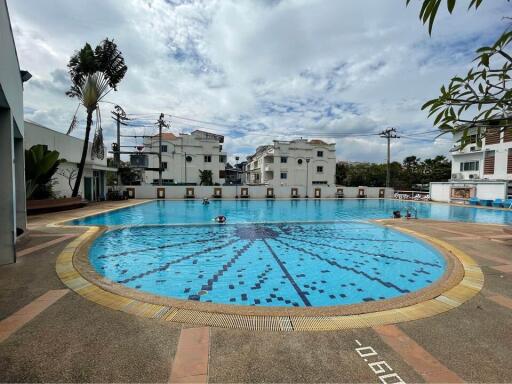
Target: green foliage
[[206, 177], [429, 8], [106, 61], [93, 73], [127, 175], [40, 166], [403, 176], [482, 99]]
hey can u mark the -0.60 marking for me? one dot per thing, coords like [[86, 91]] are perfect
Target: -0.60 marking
[[380, 368]]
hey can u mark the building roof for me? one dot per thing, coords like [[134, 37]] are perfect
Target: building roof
[[54, 131], [316, 141], [208, 135], [167, 136]]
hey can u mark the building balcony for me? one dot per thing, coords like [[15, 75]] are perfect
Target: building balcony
[[268, 159]]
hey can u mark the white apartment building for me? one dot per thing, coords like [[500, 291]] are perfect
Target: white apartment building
[[93, 185], [479, 169], [293, 163], [492, 160], [184, 156]]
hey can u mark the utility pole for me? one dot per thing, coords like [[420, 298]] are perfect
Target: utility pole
[[307, 177], [161, 124], [185, 168], [389, 133], [119, 116], [236, 176]]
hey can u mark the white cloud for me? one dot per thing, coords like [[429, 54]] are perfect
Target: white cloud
[[270, 69]]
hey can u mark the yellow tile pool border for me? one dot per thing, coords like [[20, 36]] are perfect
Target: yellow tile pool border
[[471, 283]]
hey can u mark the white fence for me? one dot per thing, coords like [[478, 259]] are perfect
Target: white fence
[[253, 192]]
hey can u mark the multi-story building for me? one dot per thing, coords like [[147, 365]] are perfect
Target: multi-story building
[[12, 188], [184, 156], [293, 163], [93, 186], [482, 168], [236, 174], [489, 158]]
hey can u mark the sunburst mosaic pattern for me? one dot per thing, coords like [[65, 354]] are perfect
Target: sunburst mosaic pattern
[[288, 264]]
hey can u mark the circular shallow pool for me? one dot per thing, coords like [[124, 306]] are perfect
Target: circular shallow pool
[[275, 264]]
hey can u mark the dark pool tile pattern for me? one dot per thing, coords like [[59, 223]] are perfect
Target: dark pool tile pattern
[[282, 264]]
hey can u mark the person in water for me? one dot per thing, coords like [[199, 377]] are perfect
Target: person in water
[[206, 201], [220, 219], [397, 214]]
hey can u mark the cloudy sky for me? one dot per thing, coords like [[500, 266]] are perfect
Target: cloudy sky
[[259, 70]]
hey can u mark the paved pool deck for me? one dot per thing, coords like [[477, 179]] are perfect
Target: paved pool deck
[[50, 333]]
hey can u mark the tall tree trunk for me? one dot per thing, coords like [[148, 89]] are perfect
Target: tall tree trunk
[[81, 166]]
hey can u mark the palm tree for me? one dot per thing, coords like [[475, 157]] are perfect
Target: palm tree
[[94, 73]]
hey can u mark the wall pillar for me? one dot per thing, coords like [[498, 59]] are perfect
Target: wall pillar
[[7, 189], [19, 175]]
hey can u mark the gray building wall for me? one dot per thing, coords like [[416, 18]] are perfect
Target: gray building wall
[[12, 187]]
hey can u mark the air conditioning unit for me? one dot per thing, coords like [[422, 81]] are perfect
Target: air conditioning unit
[[474, 176], [457, 176]]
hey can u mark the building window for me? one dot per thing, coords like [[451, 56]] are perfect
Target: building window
[[222, 174], [284, 159], [320, 153], [469, 166], [471, 139], [492, 136], [284, 175], [164, 164], [507, 135], [489, 163], [320, 169], [299, 161], [164, 148], [319, 182], [207, 158], [509, 161], [222, 158]]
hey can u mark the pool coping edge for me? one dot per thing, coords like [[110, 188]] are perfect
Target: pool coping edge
[[469, 285]]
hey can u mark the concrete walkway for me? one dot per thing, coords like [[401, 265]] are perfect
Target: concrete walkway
[[51, 334]]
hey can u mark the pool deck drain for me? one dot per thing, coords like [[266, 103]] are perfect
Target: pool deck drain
[[469, 286]]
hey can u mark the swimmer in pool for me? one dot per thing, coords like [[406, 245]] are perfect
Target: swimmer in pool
[[206, 201], [220, 219]]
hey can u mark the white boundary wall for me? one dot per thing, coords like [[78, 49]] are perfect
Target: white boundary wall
[[255, 192], [487, 190]]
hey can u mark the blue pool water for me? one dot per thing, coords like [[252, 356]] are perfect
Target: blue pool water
[[273, 264], [183, 212], [271, 253]]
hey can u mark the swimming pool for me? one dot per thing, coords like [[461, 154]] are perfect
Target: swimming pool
[[281, 264], [286, 253], [243, 211]]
